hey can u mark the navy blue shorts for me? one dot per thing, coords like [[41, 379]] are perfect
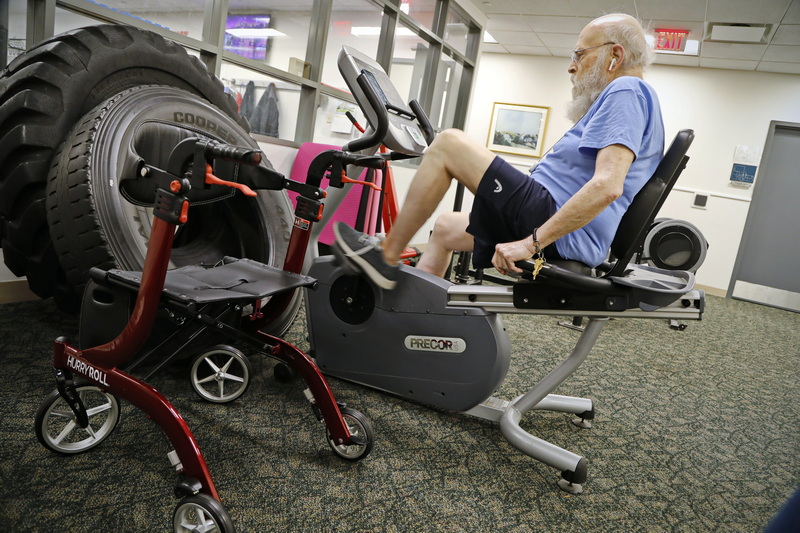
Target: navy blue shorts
[[508, 206]]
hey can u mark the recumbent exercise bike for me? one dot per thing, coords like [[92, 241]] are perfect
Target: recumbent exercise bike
[[444, 344]]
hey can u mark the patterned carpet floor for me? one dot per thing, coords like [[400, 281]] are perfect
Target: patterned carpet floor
[[696, 430]]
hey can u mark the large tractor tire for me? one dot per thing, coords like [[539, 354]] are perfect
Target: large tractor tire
[[46, 92], [92, 224]]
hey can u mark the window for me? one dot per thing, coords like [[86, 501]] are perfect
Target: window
[[422, 11], [17, 16], [457, 32], [446, 92], [355, 23], [409, 63], [272, 35], [270, 105], [332, 125], [184, 18], [67, 20], [275, 45]]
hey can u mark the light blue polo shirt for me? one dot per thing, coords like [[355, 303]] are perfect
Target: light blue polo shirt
[[627, 112]]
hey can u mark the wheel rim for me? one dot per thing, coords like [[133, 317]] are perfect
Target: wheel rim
[[194, 518], [357, 429], [60, 428], [220, 375], [201, 513]]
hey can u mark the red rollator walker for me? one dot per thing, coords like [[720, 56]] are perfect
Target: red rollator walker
[[236, 298]]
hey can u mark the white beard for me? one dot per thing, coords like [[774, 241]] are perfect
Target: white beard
[[586, 90]]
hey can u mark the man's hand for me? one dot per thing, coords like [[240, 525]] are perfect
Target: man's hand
[[507, 253]]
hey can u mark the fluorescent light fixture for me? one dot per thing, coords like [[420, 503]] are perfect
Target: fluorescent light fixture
[[737, 33], [487, 37], [374, 31], [254, 33]]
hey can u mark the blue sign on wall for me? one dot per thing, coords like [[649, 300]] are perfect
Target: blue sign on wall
[[743, 173]]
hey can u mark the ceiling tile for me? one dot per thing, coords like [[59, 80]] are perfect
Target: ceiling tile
[[676, 60], [782, 68], [561, 52], [527, 50], [550, 28], [683, 10], [785, 54], [493, 48], [507, 22], [595, 8], [569, 25], [793, 15], [491, 7], [542, 7], [746, 11], [734, 64], [787, 34], [558, 40], [527, 38], [733, 51]]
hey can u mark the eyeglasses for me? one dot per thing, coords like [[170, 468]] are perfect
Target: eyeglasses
[[577, 54]]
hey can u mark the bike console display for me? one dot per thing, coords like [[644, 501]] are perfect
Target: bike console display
[[382, 105]]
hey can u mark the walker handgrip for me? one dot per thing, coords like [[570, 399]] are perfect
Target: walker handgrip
[[238, 154]]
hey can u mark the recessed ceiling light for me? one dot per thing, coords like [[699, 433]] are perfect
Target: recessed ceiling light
[[737, 33]]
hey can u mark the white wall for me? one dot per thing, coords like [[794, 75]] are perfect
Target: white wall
[[726, 108]]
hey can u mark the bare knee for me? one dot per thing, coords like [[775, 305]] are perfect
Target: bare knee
[[450, 141], [450, 231], [460, 157]]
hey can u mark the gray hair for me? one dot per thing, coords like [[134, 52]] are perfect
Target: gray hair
[[632, 35]]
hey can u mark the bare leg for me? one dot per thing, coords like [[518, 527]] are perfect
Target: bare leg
[[452, 155], [449, 234]]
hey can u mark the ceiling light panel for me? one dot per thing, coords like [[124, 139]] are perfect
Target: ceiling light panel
[[737, 33]]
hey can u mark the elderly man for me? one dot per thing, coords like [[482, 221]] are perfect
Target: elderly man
[[573, 200]]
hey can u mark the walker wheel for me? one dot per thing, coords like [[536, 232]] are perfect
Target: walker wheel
[[221, 374], [361, 429], [284, 373], [200, 513], [57, 427]]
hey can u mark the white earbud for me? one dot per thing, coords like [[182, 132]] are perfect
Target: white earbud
[[613, 62]]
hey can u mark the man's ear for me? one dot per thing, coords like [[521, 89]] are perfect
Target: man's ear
[[617, 56]]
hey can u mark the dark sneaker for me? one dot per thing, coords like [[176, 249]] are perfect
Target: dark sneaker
[[364, 253]]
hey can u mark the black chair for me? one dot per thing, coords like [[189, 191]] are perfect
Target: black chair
[[618, 284]]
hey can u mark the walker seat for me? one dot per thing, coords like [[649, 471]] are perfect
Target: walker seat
[[234, 280]]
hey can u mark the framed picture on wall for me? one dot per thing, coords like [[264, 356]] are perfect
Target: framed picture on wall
[[517, 129]]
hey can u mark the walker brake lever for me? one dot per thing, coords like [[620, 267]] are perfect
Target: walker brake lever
[[211, 179], [369, 184]]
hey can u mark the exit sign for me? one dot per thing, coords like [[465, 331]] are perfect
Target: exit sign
[[671, 40]]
